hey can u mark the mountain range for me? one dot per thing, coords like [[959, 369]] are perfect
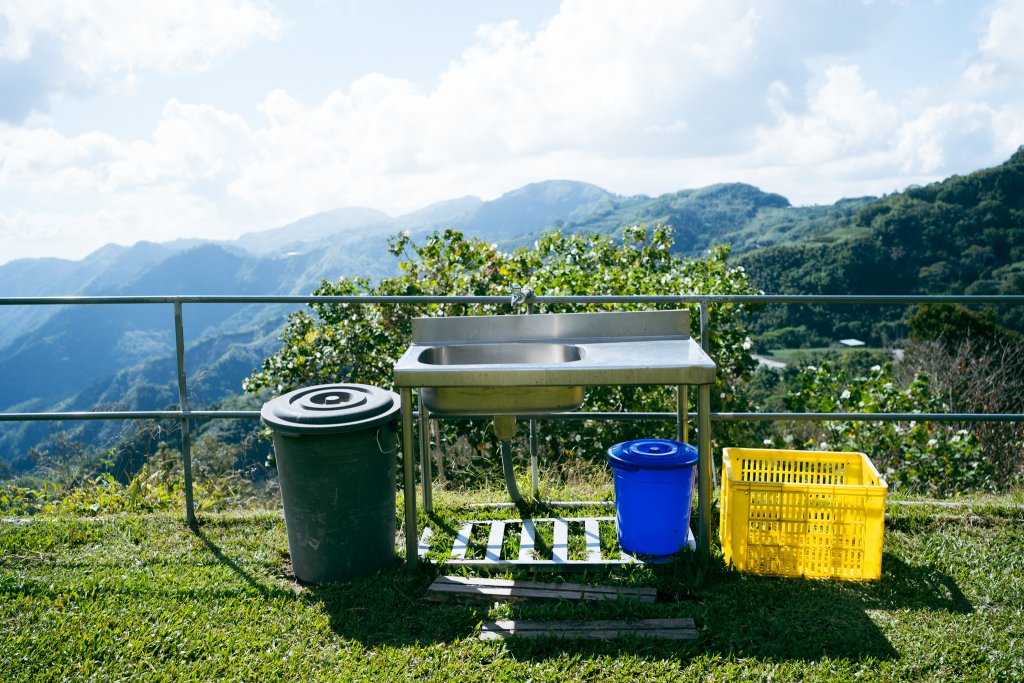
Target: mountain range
[[85, 357]]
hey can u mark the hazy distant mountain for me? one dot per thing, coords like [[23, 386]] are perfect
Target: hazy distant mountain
[[451, 212], [306, 231], [76, 358], [537, 206], [97, 273]]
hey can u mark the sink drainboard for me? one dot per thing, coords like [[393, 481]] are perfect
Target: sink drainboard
[[533, 552]]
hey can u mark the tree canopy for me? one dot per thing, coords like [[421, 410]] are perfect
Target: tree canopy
[[361, 342]]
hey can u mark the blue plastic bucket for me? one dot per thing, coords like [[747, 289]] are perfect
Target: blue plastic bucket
[[654, 480]]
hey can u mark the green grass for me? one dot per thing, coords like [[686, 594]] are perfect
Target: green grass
[[145, 598]]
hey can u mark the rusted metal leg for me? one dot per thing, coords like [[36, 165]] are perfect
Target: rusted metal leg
[[426, 475], [534, 468], [409, 474], [435, 428], [682, 403], [704, 468]]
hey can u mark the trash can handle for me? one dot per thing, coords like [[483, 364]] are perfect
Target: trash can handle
[[376, 437]]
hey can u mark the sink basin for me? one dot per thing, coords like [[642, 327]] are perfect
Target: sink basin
[[485, 400], [490, 401], [528, 364], [500, 354]]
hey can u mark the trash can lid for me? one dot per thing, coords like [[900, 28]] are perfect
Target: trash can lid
[[653, 454], [331, 409]]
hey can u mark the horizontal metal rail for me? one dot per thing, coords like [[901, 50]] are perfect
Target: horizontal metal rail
[[705, 302], [558, 417], [885, 299]]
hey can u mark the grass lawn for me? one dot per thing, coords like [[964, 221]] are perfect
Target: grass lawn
[[144, 598]]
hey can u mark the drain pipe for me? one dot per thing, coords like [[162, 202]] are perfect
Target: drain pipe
[[504, 429]]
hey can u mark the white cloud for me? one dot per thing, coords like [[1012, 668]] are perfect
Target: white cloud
[[1002, 42], [843, 118], [639, 97], [83, 45]]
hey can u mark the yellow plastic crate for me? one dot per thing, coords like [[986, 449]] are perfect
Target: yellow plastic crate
[[802, 513]]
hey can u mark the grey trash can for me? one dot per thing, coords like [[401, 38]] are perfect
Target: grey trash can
[[335, 447]]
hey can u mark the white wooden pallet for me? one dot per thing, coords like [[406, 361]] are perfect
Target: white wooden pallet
[[529, 552]]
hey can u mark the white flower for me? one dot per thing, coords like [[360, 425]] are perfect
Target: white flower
[[811, 368], [767, 442], [823, 445], [845, 395], [932, 442], [876, 368], [788, 438], [747, 344]]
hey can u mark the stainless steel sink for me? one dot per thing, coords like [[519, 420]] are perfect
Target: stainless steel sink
[[528, 364], [510, 365]]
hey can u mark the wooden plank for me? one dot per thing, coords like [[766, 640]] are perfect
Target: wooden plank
[[459, 588], [497, 535], [527, 541], [671, 629], [560, 547], [462, 541], [592, 532]]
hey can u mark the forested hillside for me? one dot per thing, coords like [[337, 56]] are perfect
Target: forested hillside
[[964, 235]]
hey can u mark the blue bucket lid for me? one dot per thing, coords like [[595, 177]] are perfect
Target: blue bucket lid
[[653, 454]]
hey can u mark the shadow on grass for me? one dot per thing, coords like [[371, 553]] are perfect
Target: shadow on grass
[[236, 568], [387, 608], [737, 615], [741, 615]]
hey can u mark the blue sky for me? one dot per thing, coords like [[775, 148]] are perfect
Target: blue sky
[[123, 120]]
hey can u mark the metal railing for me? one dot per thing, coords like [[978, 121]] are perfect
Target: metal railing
[[185, 413]]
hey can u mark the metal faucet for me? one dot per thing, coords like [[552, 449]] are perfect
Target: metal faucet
[[520, 295]]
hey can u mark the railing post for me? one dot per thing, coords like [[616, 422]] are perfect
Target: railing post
[[705, 334], [186, 440]]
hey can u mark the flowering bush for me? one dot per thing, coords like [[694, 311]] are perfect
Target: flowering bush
[[916, 455]]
